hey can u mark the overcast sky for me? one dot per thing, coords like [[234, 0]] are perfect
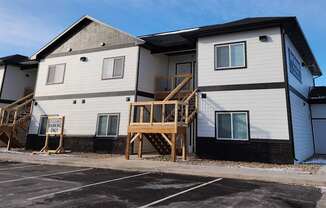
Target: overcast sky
[[27, 25]]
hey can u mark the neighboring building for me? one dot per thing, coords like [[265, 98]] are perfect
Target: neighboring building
[[17, 78], [254, 77]]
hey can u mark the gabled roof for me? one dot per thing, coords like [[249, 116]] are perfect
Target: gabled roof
[[74, 28], [186, 39]]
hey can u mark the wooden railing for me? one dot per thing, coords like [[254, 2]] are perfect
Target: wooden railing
[[175, 112], [10, 114]]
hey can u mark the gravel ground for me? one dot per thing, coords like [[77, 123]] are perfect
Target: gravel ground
[[193, 160]]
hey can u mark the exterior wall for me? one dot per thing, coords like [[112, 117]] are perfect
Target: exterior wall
[[2, 73], [264, 59], [300, 110], [150, 67], [86, 77], [175, 59], [318, 114], [83, 81], [267, 112], [16, 81], [302, 129]]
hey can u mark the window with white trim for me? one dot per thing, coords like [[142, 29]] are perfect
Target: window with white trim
[[43, 125], [56, 74], [107, 125], [232, 55], [113, 67], [232, 125]]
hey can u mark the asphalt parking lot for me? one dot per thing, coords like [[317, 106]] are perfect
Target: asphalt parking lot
[[32, 185]]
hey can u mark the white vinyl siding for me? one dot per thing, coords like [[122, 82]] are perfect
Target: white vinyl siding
[[232, 55], [85, 77], [318, 112], [268, 112], [113, 67], [302, 129], [17, 82], [81, 119], [107, 125], [300, 78], [56, 74], [264, 59], [232, 125]]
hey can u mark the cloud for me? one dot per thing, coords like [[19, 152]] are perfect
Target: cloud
[[22, 31]]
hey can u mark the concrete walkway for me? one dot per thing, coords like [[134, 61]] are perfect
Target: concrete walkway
[[119, 163]]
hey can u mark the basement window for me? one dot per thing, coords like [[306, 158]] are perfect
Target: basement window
[[43, 125], [232, 125], [113, 67], [230, 56], [56, 74], [107, 125]]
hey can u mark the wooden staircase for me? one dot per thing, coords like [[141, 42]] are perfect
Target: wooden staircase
[[14, 122], [165, 120]]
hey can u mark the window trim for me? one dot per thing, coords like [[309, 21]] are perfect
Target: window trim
[[229, 44], [39, 126], [233, 139], [64, 74], [123, 68], [97, 125]]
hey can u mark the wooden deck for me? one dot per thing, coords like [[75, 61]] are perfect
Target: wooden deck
[[168, 117]]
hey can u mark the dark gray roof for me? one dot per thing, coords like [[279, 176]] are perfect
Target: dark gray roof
[[186, 39], [19, 60], [318, 95]]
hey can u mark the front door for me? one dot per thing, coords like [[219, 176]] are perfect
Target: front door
[[184, 68]]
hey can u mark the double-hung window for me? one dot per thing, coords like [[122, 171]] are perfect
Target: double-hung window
[[56, 74], [229, 56], [107, 125], [232, 125], [113, 67], [43, 125]]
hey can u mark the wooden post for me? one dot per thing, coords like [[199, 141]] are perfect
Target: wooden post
[[141, 116], [152, 113], [173, 148], [140, 146], [128, 146], [163, 113], [184, 144]]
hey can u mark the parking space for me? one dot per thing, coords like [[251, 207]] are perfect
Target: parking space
[[28, 185]]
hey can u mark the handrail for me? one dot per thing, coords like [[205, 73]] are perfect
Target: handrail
[[178, 88], [190, 96], [18, 101]]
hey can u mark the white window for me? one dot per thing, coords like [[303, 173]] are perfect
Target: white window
[[113, 67], [56, 74], [232, 125], [107, 125], [42, 126], [231, 55]]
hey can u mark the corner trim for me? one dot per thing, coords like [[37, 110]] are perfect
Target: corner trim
[[256, 86], [287, 92]]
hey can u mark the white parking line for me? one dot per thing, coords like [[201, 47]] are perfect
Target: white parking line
[[45, 175], [85, 186], [15, 167], [180, 193]]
